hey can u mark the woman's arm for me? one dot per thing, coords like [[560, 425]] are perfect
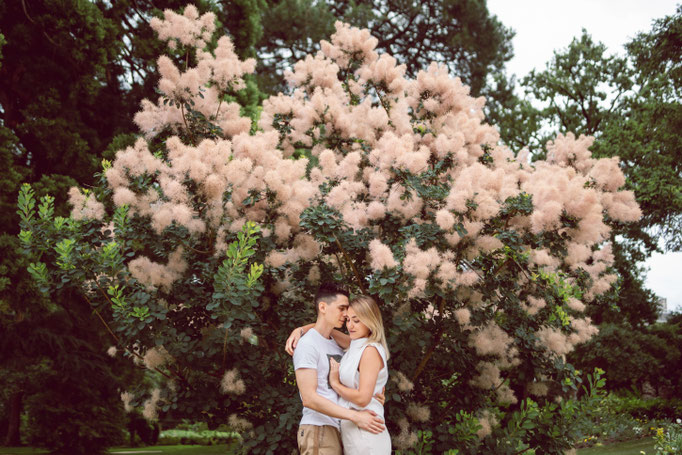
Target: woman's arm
[[370, 365], [342, 339], [296, 335]]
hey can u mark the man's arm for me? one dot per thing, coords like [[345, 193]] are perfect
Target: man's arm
[[306, 379], [342, 339]]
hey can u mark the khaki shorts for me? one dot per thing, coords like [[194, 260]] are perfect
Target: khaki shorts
[[319, 440]]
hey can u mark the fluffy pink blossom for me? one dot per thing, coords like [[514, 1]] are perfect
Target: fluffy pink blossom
[[381, 255], [377, 184], [491, 340], [534, 305], [488, 377], [584, 330], [463, 316], [554, 340], [445, 219], [575, 304], [85, 206], [375, 210], [488, 243], [232, 383]]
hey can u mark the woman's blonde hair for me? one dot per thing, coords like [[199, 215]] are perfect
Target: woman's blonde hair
[[368, 312]]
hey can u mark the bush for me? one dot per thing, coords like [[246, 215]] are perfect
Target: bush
[[204, 437], [203, 244], [608, 417], [635, 358], [669, 439], [646, 408]]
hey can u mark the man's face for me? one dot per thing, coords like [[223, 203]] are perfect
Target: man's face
[[337, 311]]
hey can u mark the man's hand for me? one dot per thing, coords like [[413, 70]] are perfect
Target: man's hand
[[381, 397], [292, 341], [369, 421]]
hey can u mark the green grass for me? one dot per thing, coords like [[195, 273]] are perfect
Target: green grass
[[151, 450], [619, 448], [622, 448], [20, 450], [176, 450]]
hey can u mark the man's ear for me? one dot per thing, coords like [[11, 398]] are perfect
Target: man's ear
[[322, 307]]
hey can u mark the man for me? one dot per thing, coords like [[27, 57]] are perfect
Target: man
[[318, 432]]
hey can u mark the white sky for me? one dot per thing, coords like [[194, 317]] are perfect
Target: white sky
[[543, 26]]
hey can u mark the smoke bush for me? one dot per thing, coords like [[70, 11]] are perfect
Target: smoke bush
[[396, 187]]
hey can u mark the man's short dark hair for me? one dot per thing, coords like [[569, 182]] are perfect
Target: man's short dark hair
[[329, 291]]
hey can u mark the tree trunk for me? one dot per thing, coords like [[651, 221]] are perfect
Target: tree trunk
[[14, 415]]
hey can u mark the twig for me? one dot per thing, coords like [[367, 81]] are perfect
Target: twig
[[118, 341], [182, 378], [218, 110], [198, 251], [102, 319], [352, 265], [184, 120], [434, 344], [340, 262], [225, 349], [23, 5]]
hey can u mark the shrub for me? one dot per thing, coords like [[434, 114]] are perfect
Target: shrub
[[669, 439], [204, 437], [202, 245]]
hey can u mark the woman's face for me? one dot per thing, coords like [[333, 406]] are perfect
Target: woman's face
[[356, 329]]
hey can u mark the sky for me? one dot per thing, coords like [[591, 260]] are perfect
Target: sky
[[543, 26]]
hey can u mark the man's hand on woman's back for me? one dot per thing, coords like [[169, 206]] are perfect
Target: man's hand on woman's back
[[369, 421]]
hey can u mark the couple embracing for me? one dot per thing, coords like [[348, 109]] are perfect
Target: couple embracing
[[342, 392]]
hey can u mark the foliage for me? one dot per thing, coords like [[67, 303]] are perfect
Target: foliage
[[644, 409], [198, 244], [669, 439], [634, 358], [204, 437], [461, 34]]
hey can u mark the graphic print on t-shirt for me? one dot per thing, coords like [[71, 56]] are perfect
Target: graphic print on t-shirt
[[338, 359]]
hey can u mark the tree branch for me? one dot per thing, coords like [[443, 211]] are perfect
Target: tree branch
[[118, 341], [352, 265], [434, 344]]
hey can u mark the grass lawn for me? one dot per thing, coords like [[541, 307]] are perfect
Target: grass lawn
[[175, 450], [622, 448], [20, 450]]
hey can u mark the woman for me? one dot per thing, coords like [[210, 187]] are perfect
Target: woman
[[361, 376], [362, 373]]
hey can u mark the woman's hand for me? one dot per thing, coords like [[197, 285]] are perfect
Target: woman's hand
[[334, 373], [292, 341]]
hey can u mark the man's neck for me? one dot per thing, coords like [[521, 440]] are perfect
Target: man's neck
[[323, 328]]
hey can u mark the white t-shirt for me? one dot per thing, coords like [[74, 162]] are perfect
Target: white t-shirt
[[313, 351]]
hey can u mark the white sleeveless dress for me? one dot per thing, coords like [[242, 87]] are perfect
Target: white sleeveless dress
[[355, 440]]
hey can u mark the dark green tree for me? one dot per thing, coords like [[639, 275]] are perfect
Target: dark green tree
[[460, 34], [53, 129], [63, 109], [633, 358]]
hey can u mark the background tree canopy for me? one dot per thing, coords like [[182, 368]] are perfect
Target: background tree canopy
[[461, 34]]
